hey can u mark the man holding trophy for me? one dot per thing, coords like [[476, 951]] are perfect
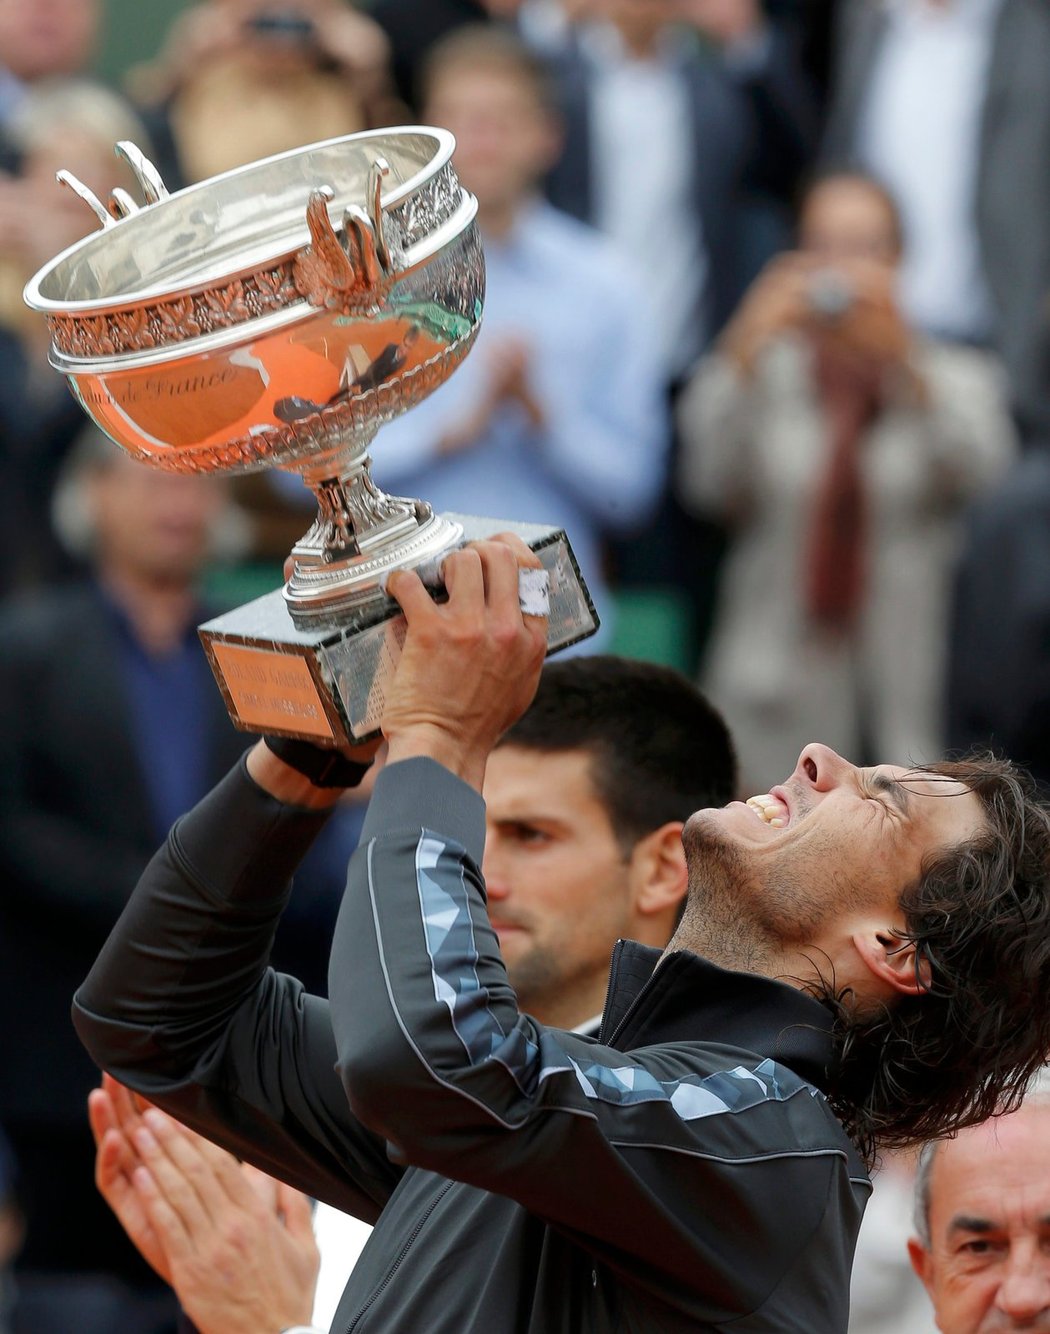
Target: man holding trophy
[[839, 976], [685, 1169]]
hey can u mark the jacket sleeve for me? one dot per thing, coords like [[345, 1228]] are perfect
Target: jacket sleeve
[[662, 1161], [181, 1005]]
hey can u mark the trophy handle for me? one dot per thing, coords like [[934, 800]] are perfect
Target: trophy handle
[[89, 197], [147, 175], [362, 249], [345, 277], [121, 205], [377, 174]]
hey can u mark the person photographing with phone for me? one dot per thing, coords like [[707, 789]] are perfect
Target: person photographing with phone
[[839, 447]]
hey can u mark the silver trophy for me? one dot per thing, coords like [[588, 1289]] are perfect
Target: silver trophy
[[276, 316]]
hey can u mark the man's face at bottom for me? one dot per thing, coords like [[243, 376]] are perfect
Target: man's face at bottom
[[987, 1268]]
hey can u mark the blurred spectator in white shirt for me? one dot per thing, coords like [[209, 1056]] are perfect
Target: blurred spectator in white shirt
[[948, 103]]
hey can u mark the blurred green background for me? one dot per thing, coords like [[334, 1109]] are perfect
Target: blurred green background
[[133, 30]]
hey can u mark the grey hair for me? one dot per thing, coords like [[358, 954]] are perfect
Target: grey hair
[[1037, 1096], [921, 1216]]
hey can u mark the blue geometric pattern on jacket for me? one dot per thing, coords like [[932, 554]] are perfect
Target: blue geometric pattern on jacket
[[449, 930], [693, 1096]]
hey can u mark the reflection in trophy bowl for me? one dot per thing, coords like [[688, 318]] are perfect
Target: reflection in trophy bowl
[[276, 315]]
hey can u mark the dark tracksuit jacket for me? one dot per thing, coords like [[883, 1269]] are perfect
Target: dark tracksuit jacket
[[684, 1172]]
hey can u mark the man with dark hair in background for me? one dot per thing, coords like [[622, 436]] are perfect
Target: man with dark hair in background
[[864, 953], [586, 797]]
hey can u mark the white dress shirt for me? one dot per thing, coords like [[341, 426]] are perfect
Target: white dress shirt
[[919, 133], [642, 163]]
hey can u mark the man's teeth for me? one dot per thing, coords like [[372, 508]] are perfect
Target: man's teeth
[[769, 809]]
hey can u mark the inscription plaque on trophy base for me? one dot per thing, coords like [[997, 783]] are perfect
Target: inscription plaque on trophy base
[[328, 684]]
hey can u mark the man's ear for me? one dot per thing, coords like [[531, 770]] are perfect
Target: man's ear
[[921, 1261], [890, 958], [658, 876]]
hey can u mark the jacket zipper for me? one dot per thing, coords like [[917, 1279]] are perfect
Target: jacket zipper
[[610, 986], [647, 986], [406, 1245]]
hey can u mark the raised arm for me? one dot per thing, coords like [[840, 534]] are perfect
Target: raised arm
[[182, 1006]]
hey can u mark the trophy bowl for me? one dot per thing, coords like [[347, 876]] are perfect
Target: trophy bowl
[[275, 316]]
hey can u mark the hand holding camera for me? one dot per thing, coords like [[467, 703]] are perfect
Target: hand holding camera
[[778, 300], [849, 306], [855, 317]]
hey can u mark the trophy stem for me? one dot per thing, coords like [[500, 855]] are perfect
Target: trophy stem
[[359, 536]]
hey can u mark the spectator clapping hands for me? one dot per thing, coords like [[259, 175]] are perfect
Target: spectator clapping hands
[[237, 1246]]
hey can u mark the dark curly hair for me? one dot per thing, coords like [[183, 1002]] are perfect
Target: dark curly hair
[[979, 916]]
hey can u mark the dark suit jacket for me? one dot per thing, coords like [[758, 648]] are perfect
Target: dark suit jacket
[[413, 27], [998, 688], [36, 433], [75, 833], [1013, 185], [751, 138]]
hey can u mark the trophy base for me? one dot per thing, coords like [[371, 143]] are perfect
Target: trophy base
[[327, 684]]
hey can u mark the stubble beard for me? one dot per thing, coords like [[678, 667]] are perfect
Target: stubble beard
[[737, 920], [720, 922], [533, 976], [558, 995]]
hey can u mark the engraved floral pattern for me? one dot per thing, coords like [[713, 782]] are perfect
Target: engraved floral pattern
[[97, 333], [164, 323], [416, 217], [177, 320], [134, 327], [276, 286], [227, 304]]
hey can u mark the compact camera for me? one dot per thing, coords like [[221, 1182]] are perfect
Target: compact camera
[[286, 26], [830, 294]]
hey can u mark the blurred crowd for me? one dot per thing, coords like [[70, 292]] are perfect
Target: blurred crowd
[[767, 331]]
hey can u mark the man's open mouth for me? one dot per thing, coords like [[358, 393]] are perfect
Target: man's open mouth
[[770, 809]]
